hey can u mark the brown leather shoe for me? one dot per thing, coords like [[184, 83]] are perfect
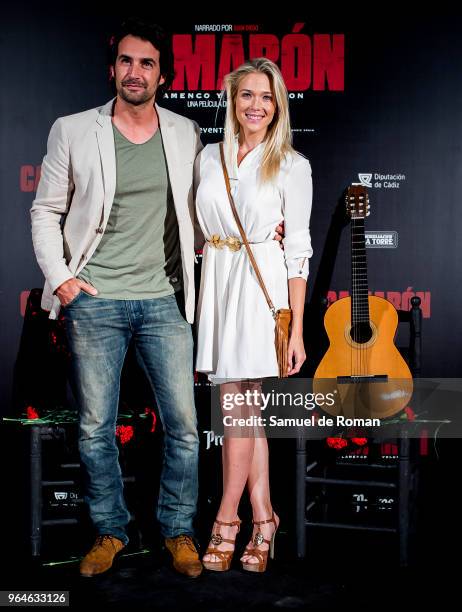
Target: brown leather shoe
[[185, 556], [101, 556]]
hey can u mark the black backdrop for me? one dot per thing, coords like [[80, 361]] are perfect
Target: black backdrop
[[399, 113]]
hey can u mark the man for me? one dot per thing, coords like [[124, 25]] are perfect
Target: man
[[113, 233]]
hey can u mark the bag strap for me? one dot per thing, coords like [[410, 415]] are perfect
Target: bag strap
[[242, 232]]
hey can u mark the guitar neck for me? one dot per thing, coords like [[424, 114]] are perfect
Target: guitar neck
[[359, 282]]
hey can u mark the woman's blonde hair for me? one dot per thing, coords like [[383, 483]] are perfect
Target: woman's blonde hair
[[279, 136]]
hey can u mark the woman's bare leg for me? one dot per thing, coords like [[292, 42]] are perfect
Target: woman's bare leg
[[259, 493], [237, 456]]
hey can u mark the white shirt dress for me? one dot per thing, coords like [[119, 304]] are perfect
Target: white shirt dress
[[235, 325]]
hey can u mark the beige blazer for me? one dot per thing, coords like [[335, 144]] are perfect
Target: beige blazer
[[76, 191]]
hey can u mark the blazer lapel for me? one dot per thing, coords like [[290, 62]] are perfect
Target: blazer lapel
[[171, 148], [105, 137]]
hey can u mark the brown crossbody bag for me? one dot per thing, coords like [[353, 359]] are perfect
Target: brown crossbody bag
[[283, 316]]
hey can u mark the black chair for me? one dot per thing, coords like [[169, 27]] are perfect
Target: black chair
[[41, 386], [317, 473]]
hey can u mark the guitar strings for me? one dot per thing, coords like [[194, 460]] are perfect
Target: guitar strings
[[353, 305], [353, 298], [358, 356], [359, 294], [364, 297]]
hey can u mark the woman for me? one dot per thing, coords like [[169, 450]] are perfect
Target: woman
[[270, 182]]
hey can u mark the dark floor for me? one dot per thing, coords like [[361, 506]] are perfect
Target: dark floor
[[346, 572]]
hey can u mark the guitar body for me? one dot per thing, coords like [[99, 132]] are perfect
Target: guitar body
[[377, 357]]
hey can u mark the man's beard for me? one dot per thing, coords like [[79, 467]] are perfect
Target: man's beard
[[135, 97]]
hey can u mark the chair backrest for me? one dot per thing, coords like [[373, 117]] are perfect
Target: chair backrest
[[41, 369], [412, 351]]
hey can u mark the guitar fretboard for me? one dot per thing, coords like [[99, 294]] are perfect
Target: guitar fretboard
[[359, 282]]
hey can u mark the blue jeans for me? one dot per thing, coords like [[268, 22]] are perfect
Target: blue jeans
[[99, 332]]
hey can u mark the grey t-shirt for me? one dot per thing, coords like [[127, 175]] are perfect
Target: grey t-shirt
[[139, 254]]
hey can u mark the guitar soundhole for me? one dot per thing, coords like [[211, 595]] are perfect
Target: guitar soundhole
[[361, 332]]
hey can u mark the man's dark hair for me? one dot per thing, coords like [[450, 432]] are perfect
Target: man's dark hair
[[154, 34]]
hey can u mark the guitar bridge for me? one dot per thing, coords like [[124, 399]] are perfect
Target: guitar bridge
[[373, 378]]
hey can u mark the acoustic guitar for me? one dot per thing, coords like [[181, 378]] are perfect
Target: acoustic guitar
[[362, 366]]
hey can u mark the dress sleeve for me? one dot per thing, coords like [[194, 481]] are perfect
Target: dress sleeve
[[297, 198]]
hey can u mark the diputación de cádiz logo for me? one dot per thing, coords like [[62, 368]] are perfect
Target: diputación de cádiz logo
[[378, 180], [365, 179]]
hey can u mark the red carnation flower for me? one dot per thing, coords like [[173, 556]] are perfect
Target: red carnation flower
[[32, 413], [359, 441], [151, 411], [124, 433], [337, 443]]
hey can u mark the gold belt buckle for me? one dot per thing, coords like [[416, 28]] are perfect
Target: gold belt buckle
[[232, 242]]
